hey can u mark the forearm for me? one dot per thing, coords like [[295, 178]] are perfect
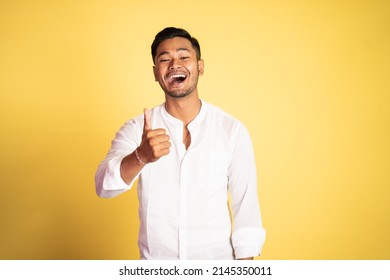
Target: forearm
[[130, 168], [108, 179]]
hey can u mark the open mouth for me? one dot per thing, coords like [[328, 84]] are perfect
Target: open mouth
[[176, 79]]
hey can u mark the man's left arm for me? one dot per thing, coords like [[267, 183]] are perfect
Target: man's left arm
[[248, 234]]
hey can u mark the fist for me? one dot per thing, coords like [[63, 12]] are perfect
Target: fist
[[155, 142]]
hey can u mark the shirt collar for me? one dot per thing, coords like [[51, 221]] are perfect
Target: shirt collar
[[198, 119]]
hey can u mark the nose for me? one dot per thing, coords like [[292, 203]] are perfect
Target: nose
[[174, 64]]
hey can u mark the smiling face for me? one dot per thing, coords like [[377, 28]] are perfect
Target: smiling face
[[177, 68]]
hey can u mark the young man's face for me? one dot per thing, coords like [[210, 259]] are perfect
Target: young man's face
[[177, 68]]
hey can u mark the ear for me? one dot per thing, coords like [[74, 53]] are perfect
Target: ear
[[155, 73], [200, 66]]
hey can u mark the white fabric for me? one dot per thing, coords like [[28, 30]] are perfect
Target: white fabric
[[183, 197]]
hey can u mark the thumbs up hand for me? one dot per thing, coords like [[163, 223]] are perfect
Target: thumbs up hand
[[155, 142]]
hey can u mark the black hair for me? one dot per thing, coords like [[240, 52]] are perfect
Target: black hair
[[172, 32]]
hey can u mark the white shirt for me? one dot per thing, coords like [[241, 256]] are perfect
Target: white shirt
[[183, 197]]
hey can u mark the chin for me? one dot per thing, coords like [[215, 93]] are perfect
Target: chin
[[178, 94]]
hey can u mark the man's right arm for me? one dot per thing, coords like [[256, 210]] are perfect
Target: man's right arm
[[119, 169], [155, 144]]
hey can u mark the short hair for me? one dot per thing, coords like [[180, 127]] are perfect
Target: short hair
[[172, 32]]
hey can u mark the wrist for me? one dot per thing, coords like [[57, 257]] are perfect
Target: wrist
[[139, 159]]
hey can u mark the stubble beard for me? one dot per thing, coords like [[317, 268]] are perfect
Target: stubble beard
[[179, 94]]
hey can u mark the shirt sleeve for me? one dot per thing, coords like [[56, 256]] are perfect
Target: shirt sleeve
[[248, 233], [108, 180]]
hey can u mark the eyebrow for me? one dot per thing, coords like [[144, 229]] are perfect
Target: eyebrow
[[177, 50]]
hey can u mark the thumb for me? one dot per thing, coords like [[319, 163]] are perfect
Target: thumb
[[147, 121]]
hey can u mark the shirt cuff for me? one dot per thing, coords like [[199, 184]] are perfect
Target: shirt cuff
[[113, 183], [248, 242]]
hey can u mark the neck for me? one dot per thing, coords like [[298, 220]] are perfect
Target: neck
[[184, 109]]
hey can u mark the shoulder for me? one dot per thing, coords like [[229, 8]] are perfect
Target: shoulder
[[224, 119], [227, 128]]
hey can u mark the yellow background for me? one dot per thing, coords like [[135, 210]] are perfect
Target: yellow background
[[310, 80]]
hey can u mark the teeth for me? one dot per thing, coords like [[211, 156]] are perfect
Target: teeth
[[177, 76]]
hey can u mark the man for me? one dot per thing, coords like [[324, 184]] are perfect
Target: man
[[187, 155]]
